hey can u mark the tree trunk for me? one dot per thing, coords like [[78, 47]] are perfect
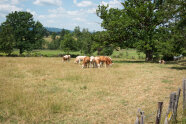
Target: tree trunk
[[149, 56], [20, 51]]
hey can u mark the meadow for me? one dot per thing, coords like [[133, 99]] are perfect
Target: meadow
[[46, 90]]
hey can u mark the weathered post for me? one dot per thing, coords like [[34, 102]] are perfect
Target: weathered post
[[176, 105], [142, 117], [138, 117], [170, 108], [184, 96], [158, 117]]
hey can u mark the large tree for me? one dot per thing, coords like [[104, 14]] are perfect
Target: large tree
[[143, 24], [25, 30]]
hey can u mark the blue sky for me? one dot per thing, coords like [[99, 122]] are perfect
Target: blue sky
[[60, 13]]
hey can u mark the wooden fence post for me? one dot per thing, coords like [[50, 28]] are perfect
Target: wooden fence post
[[176, 105], [140, 117], [184, 96], [158, 117], [170, 108]]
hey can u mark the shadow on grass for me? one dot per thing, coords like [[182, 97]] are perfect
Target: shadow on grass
[[125, 61], [179, 68]]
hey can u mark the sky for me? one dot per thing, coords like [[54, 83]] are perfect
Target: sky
[[60, 13]]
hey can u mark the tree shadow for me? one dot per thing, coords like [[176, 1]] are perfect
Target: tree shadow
[[179, 68], [125, 61]]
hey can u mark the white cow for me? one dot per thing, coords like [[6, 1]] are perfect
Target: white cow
[[66, 58], [93, 62], [79, 59], [178, 57]]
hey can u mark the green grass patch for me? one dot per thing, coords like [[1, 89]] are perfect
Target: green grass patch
[[167, 81], [124, 102]]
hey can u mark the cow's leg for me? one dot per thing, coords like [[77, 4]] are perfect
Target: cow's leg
[[83, 66]]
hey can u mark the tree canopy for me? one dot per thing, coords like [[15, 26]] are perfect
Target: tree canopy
[[25, 32], [149, 26]]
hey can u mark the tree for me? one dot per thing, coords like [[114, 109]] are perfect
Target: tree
[[77, 31], [85, 42], [68, 43], [6, 39], [39, 32], [101, 43], [140, 24], [26, 31]]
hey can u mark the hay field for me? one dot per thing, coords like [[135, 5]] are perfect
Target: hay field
[[45, 90]]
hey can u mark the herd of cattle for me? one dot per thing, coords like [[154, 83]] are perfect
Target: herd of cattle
[[94, 62], [100, 61]]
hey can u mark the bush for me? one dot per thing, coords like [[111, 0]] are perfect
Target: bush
[[107, 51]]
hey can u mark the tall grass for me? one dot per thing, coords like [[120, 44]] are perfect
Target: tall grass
[[46, 90]]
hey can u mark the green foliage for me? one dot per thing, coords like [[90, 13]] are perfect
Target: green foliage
[[68, 43], [6, 39], [27, 33], [150, 26], [102, 43], [85, 42]]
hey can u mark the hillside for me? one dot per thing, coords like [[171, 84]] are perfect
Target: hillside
[[52, 29]]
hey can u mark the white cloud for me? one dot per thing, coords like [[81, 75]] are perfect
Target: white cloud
[[83, 3], [112, 4], [48, 2], [92, 10], [14, 1], [32, 12], [7, 8], [79, 19], [61, 12]]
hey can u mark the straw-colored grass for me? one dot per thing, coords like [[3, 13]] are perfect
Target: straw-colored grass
[[45, 90]]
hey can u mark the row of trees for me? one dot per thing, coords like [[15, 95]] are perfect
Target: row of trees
[[154, 27], [20, 31], [84, 41]]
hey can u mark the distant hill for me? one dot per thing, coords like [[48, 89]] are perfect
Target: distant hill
[[52, 29]]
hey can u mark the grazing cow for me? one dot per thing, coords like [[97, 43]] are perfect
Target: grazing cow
[[97, 61], [86, 62], [79, 59], [178, 57], [109, 60], [161, 62], [105, 59], [66, 58], [93, 61]]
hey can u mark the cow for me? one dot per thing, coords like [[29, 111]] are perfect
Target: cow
[[66, 58], [93, 61], [105, 59], [178, 57], [161, 62], [86, 62], [109, 60], [97, 61], [79, 59]]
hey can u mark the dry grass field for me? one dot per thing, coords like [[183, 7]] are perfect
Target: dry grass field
[[45, 90]]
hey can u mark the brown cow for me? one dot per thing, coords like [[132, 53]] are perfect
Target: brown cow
[[105, 59], [161, 62], [66, 58], [86, 62]]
